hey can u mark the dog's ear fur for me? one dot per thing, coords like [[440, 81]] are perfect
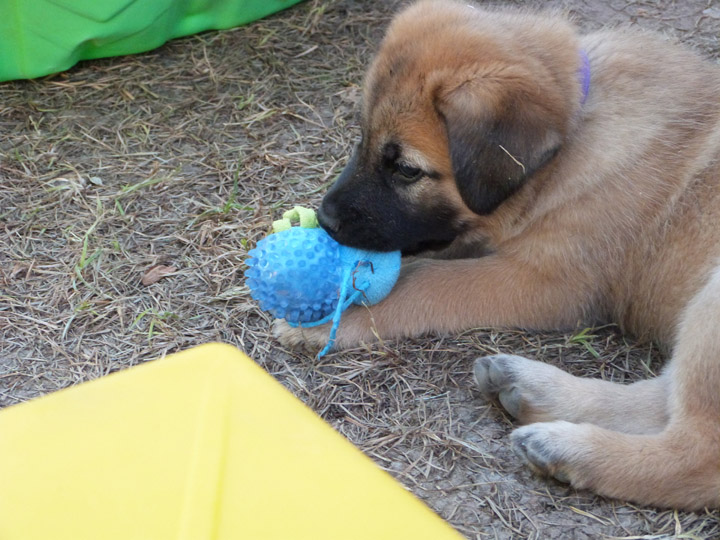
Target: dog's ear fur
[[496, 141]]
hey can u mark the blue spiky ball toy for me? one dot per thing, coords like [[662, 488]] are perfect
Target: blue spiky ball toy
[[302, 275]]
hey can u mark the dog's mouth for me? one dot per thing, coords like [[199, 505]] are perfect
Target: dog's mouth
[[409, 235], [361, 239], [368, 239]]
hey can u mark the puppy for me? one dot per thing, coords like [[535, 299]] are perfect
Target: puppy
[[556, 179]]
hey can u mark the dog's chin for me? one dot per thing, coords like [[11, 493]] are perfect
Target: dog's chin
[[378, 243], [360, 239], [424, 246], [369, 239], [367, 244]]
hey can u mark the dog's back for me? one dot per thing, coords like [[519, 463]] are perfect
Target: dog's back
[[651, 132]]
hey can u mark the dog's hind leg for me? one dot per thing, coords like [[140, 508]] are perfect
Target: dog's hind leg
[[677, 467]]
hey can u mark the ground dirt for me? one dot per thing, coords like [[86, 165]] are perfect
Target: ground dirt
[[182, 156]]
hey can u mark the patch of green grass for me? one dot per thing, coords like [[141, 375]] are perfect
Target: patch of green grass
[[86, 306], [243, 102], [228, 206], [269, 33], [128, 189], [86, 259], [155, 318], [584, 338]]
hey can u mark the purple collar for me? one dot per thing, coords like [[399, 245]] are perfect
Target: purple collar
[[584, 75]]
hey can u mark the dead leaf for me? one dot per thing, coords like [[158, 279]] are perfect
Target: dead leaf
[[17, 269], [21, 267], [156, 273]]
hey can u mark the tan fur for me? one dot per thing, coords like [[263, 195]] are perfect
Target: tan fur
[[622, 225]]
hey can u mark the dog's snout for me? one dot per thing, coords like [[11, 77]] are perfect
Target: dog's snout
[[328, 218]]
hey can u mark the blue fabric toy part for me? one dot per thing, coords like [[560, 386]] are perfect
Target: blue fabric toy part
[[302, 275]]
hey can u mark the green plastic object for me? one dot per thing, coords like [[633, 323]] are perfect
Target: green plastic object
[[39, 37]]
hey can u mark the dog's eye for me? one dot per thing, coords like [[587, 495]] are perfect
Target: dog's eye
[[408, 173]]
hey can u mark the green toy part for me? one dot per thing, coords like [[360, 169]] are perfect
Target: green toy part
[[39, 37], [305, 216]]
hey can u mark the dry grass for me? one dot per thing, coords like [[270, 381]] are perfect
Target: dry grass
[[182, 157]]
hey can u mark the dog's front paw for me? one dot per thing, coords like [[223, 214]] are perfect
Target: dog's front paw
[[313, 338], [554, 449], [355, 328]]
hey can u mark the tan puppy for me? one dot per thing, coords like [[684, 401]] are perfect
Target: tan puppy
[[553, 205]]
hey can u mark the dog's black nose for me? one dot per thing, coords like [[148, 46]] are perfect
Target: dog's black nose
[[328, 219]]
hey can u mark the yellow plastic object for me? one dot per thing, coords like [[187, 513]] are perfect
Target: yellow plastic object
[[200, 445]]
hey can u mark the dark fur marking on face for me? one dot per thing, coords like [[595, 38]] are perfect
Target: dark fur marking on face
[[365, 208], [390, 153]]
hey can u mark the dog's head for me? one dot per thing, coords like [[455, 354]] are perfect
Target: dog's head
[[461, 108]]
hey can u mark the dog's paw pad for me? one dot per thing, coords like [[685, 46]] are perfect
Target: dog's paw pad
[[542, 448]]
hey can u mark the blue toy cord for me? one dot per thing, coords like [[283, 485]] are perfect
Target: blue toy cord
[[338, 312], [343, 303]]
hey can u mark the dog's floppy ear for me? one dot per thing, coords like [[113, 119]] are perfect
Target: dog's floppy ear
[[498, 137]]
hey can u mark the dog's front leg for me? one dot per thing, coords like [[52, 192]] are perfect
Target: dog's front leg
[[439, 296]]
